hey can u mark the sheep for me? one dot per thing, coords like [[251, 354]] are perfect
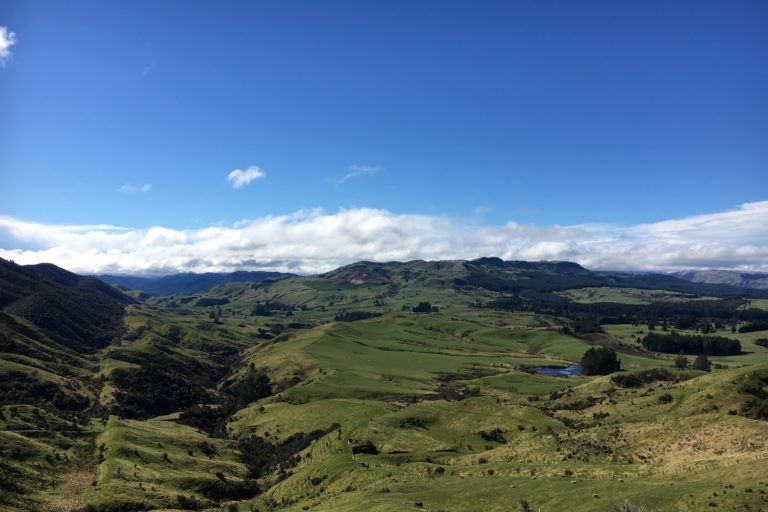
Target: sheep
[[595, 495]]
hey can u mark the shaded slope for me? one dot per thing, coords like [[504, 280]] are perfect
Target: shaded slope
[[81, 312]]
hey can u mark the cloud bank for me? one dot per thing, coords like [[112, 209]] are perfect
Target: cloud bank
[[239, 178], [7, 39], [311, 241]]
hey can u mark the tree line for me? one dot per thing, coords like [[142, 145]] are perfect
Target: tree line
[[692, 344]]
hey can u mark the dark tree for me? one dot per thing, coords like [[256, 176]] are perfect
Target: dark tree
[[600, 361], [702, 363]]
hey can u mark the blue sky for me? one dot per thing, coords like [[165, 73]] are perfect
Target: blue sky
[[539, 113]]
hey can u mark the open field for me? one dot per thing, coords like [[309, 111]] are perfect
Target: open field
[[627, 295]]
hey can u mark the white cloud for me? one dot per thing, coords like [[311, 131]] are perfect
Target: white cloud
[[239, 178], [358, 170], [7, 39], [310, 241], [135, 189]]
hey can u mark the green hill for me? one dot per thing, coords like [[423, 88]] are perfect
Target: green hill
[[384, 386]]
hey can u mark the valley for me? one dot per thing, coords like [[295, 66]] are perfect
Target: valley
[[384, 386]]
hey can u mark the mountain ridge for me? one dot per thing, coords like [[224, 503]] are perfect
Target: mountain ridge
[[754, 280], [187, 282]]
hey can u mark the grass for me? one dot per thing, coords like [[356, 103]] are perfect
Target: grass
[[375, 377], [379, 380], [671, 456], [759, 303], [626, 295], [155, 461]]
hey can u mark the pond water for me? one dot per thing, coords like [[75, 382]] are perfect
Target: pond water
[[574, 369]]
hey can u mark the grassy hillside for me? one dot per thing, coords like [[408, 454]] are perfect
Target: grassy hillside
[[390, 387]]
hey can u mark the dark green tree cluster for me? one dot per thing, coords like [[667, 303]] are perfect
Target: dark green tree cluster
[[586, 325], [353, 316], [425, 307], [154, 390], [758, 325], [674, 343], [254, 386], [600, 361], [262, 456]]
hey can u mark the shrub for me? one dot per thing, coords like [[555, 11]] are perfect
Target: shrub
[[681, 361], [366, 447], [702, 363], [496, 435], [636, 380]]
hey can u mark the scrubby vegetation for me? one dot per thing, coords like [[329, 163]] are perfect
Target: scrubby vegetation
[[262, 456], [756, 389], [645, 377]]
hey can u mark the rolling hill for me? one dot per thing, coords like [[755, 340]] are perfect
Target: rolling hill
[[382, 386]]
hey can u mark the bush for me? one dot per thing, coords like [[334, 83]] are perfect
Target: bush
[[756, 405], [366, 447], [681, 361], [414, 423], [702, 363], [496, 435]]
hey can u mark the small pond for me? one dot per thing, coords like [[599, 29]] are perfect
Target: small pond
[[560, 371]]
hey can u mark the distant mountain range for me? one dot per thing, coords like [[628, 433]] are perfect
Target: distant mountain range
[[758, 280], [188, 282]]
